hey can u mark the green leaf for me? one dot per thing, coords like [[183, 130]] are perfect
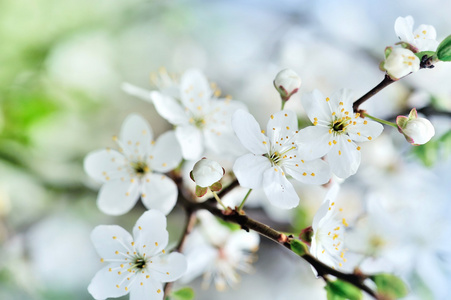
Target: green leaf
[[444, 49], [341, 290], [216, 187], [423, 53], [185, 293], [231, 226], [298, 247], [390, 286], [200, 191]]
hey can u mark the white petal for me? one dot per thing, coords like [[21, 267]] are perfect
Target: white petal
[[224, 143], [159, 192], [108, 239], [242, 240], [150, 233], [118, 197], [280, 125], [344, 158], [320, 214], [135, 136], [103, 285], [344, 96], [249, 133], [249, 170], [148, 290], [426, 32], [191, 141], [166, 153], [313, 142], [316, 106], [102, 165], [278, 189], [365, 130], [206, 172], [312, 172], [167, 268], [404, 28], [195, 90], [136, 91], [169, 108], [198, 259]]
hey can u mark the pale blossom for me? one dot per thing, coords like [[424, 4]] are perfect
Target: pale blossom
[[401, 62], [136, 170], [219, 252], [274, 156], [334, 132], [423, 38], [417, 131], [137, 265], [202, 121], [206, 172], [328, 231], [287, 83]]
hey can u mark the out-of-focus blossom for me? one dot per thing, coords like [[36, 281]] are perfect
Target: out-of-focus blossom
[[136, 170], [401, 62], [202, 121], [273, 156], [137, 265], [424, 38], [328, 232], [335, 129], [287, 83], [219, 252], [417, 131]]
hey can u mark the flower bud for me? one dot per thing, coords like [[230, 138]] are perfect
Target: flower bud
[[400, 62], [206, 172], [287, 83], [417, 131]]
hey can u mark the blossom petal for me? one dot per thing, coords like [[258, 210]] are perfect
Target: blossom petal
[[167, 268], [365, 131], [312, 172], [344, 158], [146, 288], [191, 141], [404, 28], [249, 133], [135, 136], [102, 165], [195, 90], [342, 96], [320, 214], [282, 124], [108, 239], [223, 143], [150, 233], [242, 240], [159, 192], [313, 142], [249, 170], [104, 284], [136, 91], [118, 197], [317, 106], [169, 108], [166, 153], [278, 189]]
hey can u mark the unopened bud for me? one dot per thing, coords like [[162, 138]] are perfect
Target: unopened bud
[[206, 172], [417, 131], [400, 62], [287, 83]]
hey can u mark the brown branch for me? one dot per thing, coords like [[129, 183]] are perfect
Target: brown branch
[[383, 84], [247, 224]]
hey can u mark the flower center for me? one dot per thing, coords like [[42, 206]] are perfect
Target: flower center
[[139, 263], [339, 125], [140, 167], [199, 122], [277, 158]]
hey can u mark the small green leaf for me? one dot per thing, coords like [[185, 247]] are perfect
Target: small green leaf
[[298, 247], [423, 53], [216, 187], [390, 286], [185, 293], [231, 226], [444, 49], [200, 191], [341, 290], [388, 51]]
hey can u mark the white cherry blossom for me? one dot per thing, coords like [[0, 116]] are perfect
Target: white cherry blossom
[[206, 172], [417, 131], [287, 83], [136, 170], [202, 121], [401, 62], [424, 38], [218, 252], [328, 231], [274, 156], [334, 131], [137, 265]]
